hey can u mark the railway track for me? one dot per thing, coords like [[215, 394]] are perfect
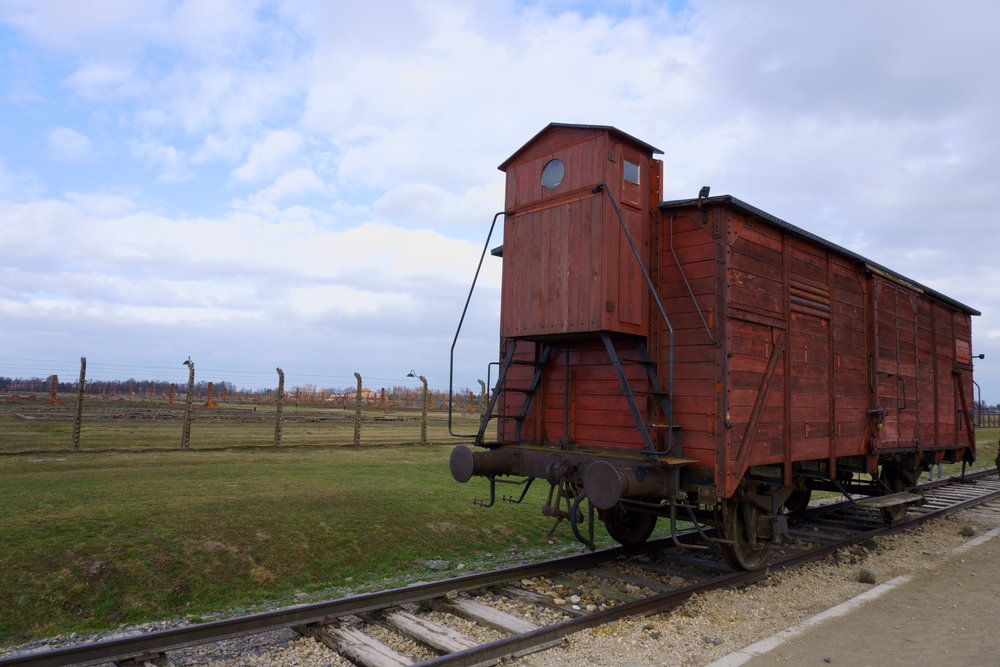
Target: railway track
[[618, 582]]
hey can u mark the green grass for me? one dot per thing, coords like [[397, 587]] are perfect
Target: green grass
[[194, 532], [986, 453]]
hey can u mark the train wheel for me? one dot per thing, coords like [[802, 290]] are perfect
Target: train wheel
[[798, 501], [629, 528], [896, 484], [743, 554]]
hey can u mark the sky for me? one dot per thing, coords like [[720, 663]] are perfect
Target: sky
[[309, 184]]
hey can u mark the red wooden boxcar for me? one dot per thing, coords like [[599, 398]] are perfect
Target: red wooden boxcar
[[703, 357]]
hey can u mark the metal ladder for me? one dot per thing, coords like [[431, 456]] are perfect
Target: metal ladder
[[662, 397], [529, 393]]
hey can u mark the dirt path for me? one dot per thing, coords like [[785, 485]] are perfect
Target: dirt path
[[946, 614]]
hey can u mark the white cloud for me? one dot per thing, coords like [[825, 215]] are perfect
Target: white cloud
[[97, 80], [232, 249], [17, 186], [308, 116], [292, 183], [268, 155], [54, 311], [424, 205], [171, 162], [69, 145], [101, 204]]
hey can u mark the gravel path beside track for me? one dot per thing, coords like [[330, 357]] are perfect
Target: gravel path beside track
[[685, 637]]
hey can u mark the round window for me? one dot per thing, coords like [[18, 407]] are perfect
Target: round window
[[552, 174]]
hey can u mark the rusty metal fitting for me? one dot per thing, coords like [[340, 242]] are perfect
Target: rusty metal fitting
[[605, 484], [465, 463]]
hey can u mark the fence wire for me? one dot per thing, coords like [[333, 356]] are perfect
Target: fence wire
[[230, 408]]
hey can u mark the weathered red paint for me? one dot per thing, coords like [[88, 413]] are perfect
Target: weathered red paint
[[811, 337]]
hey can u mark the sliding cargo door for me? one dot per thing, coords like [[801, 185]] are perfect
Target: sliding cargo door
[[893, 365]]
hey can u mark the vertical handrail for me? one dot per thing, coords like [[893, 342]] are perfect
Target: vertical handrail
[[451, 360], [670, 369], [978, 407]]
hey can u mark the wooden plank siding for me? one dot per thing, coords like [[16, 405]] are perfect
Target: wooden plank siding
[[805, 341], [695, 360], [854, 342], [596, 410], [568, 266]]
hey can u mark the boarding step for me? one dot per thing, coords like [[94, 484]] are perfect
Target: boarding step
[[667, 459], [890, 500]]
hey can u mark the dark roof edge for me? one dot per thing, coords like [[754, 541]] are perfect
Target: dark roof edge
[[753, 210], [611, 129]]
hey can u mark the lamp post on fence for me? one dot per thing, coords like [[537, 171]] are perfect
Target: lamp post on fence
[[482, 400], [423, 411], [186, 435]]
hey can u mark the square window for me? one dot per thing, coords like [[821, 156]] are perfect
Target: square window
[[631, 172]]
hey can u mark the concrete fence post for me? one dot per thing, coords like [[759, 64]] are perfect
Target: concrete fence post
[[186, 435], [277, 418], [482, 399], [423, 414], [357, 412], [78, 419]]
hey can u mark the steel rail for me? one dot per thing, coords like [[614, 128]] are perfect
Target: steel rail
[[160, 641], [124, 648], [488, 654]]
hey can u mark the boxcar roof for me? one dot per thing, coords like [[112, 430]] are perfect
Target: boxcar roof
[[877, 268], [609, 128]]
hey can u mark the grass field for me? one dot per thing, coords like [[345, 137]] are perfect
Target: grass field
[[98, 538], [92, 540]]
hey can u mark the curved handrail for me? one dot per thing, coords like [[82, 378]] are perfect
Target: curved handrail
[[451, 360]]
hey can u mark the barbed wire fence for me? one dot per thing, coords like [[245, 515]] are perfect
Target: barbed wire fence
[[236, 408]]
